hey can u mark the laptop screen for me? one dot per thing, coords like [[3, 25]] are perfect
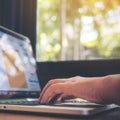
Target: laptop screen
[[18, 77]]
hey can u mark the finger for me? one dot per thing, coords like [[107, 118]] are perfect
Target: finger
[[55, 90], [51, 82], [50, 93], [50, 98], [55, 99], [58, 81]]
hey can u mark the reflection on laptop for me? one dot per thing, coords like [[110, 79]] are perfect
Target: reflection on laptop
[[19, 85]]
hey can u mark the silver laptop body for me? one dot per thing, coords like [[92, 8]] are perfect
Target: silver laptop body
[[19, 81]]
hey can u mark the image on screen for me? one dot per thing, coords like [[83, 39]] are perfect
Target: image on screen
[[18, 66]]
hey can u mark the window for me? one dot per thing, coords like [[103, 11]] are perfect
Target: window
[[78, 29], [20, 16]]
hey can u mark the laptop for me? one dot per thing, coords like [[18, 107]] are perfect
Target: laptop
[[20, 86]]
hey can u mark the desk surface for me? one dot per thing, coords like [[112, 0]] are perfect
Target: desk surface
[[109, 115]]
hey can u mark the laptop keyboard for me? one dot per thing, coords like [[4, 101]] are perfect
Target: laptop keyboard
[[79, 103], [32, 101], [27, 101], [76, 100]]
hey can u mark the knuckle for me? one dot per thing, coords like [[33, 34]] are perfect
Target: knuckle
[[50, 81]]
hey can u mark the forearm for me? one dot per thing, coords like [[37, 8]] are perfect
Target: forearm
[[110, 88], [100, 89]]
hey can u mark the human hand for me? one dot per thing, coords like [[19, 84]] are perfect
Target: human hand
[[103, 90], [64, 88]]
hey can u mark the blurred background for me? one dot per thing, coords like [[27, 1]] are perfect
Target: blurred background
[[78, 29]]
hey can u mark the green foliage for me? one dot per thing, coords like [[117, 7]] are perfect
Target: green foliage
[[84, 17]]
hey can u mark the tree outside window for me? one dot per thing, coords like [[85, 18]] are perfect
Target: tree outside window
[[78, 29]]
